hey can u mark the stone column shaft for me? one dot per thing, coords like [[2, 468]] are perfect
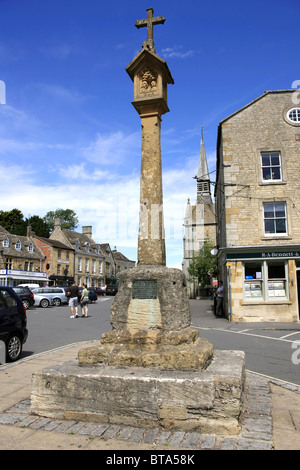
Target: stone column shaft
[[151, 242]]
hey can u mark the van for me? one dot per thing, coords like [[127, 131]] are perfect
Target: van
[[30, 286]]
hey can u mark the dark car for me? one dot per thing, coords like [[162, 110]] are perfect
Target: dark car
[[92, 294], [111, 290], [13, 323], [99, 291], [25, 295]]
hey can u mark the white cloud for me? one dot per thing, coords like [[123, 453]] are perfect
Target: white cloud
[[113, 149], [176, 52]]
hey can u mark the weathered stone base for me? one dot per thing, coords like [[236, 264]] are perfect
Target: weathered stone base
[[207, 401], [172, 350]]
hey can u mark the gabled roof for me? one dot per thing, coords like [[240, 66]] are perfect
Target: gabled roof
[[149, 57], [54, 243], [255, 101]]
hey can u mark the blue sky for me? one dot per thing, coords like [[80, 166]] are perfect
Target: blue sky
[[69, 135]]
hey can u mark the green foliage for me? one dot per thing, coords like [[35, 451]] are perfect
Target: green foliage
[[204, 265], [13, 221], [68, 217]]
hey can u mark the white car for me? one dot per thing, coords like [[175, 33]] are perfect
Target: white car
[[45, 296]]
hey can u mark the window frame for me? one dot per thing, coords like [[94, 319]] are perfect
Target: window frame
[[265, 281], [275, 233], [271, 179]]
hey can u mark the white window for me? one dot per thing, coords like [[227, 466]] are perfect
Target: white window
[[18, 246], [100, 267], [293, 115], [79, 265], [30, 248], [275, 218], [271, 166], [87, 266], [93, 266], [6, 242]]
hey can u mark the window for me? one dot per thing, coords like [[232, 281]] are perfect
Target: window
[[6, 242], [86, 265], [265, 280], [293, 115], [79, 265], [253, 280], [93, 266], [18, 245], [271, 166], [275, 218], [276, 280], [30, 248], [58, 269], [100, 267]]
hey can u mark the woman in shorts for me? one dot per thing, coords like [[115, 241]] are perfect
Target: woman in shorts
[[84, 301]]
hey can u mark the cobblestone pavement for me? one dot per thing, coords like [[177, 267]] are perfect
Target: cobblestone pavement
[[255, 434]]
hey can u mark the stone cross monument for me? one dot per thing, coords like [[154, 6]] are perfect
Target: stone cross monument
[[150, 75], [152, 368]]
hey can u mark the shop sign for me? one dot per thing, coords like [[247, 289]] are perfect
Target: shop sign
[[264, 255]]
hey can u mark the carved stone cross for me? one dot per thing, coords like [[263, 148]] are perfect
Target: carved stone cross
[[149, 22]]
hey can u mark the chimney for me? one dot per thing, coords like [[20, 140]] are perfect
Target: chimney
[[87, 230], [57, 223]]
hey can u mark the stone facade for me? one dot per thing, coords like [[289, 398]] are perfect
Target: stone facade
[[21, 260], [89, 259], [257, 194], [59, 261]]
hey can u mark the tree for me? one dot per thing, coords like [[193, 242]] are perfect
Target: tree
[[68, 217], [13, 221], [38, 226], [204, 265]]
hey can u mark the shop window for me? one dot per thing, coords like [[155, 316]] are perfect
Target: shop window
[[253, 280], [266, 280], [276, 280]]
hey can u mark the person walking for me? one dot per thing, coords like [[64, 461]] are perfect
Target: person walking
[[84, 301], [73, 300]]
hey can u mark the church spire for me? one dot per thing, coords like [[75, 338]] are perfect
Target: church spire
[[203, 180]]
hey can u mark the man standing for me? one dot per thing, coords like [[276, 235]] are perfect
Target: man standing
[[220, 295], [73, 300]]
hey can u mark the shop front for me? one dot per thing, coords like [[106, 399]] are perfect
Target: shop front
[[14, 277], [261, 284]]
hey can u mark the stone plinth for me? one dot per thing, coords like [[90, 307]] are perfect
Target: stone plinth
[[150, 318], [207, 401]]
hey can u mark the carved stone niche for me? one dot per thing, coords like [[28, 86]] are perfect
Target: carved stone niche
[[150, 75], [148, 83]]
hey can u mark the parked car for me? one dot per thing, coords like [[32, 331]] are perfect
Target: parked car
[[45, 296], [92, 294], [111, 290], [99, 291], [25, 295], [13, 323]]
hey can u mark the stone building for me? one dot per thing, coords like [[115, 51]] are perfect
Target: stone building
[[89, 266], [21, 260], [199, 221], [59, 261], [121, 262], [257, 198]]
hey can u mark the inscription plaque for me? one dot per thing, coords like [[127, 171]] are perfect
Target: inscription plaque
[[144, 289]]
